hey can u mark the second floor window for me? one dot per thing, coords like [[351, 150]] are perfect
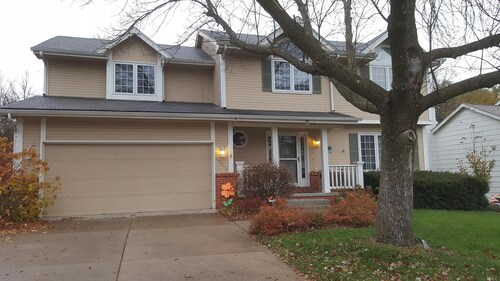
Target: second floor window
[[287, 78], [371, 151], [382, 76], [134, 78]]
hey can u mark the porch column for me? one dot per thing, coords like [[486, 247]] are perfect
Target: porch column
[[230, 149], [275, 145], [325, 170]]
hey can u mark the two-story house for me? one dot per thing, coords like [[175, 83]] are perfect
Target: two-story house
[[134, 126]]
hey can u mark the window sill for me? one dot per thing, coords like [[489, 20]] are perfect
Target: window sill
[[291, 92], [137, 97]]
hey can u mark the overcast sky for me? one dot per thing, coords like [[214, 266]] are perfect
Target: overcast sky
[[26, 23]]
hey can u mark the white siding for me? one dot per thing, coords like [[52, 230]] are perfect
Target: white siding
[[446, 149]]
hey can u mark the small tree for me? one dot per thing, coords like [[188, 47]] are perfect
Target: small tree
[[477, 155], [23, 197], [266, 180]]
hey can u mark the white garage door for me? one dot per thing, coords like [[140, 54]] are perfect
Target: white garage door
[[110, 178]]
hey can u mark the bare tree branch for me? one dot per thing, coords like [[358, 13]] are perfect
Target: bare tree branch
[[355, 99], [487, 80], [487, 42]]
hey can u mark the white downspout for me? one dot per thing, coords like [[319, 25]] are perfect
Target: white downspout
[[332, 103], [222, 69]]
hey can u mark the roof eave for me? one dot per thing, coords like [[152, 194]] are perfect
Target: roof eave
[[182, 116], [190, 62]]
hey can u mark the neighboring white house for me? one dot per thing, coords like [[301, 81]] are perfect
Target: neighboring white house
[[447, 145]]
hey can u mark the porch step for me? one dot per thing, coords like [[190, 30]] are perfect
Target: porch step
[[309, 202], [314, 194]]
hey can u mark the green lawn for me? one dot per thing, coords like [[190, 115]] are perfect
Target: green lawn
[[464, 246]]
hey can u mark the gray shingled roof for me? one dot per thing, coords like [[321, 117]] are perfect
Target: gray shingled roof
[[89, 46], [222, 38], [181, 109], [491, 109]]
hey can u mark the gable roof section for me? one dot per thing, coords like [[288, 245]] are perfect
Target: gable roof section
[[69, 106], [88, 47], [133, 31], [492, 111]]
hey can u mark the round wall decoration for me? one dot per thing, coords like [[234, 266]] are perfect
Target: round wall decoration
[[239, 139]]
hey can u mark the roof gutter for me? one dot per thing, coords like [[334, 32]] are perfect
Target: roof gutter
[[40, 54], [179, 116]]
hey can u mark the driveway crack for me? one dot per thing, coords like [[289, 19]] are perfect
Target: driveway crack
[[123, 250]]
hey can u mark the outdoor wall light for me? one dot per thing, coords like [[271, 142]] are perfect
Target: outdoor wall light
[[315, 143], [221, 151]]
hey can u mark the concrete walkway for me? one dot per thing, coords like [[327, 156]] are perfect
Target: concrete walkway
[[182, 247]]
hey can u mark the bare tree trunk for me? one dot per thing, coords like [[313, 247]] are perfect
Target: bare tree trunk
[[395, 199]]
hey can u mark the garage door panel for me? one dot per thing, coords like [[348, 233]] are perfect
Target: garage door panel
[[131, 186], [127, 151], [106, 179], [106, 169], [121, 204]]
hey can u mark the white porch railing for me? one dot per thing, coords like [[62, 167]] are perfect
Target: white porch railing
[[346, 176]]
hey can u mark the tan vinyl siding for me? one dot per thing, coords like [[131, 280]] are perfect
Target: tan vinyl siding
[[421, 153], [254, 152], [341, 105], [221, 163], [31, 133], [211, 49], [187, 83], [135, 50], [108, 179], [338, 139], [244, 90], [126, 129], [77, 78]]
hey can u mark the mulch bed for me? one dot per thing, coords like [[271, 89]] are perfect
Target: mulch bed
[[12, 228]]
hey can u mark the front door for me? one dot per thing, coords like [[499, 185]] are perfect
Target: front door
[[293, 156]]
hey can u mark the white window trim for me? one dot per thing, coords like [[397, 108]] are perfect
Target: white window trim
[[110, 81], [387, 70], [292, 90], [377, 156]]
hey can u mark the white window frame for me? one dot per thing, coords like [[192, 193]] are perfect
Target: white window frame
[[111, 94], [388, 71], [134, 78], [292, 82], [377, 149]]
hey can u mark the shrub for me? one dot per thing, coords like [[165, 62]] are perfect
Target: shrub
[[444, 190], [248, 205], [20, 188], [358, 208], [372, 180], [280, 218], [266, 180], [452, 191]]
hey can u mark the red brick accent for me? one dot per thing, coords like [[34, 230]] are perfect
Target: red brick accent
[[220, 179], [314, 183]]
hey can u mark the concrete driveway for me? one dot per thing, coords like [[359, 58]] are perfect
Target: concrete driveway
[[181, 247]]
